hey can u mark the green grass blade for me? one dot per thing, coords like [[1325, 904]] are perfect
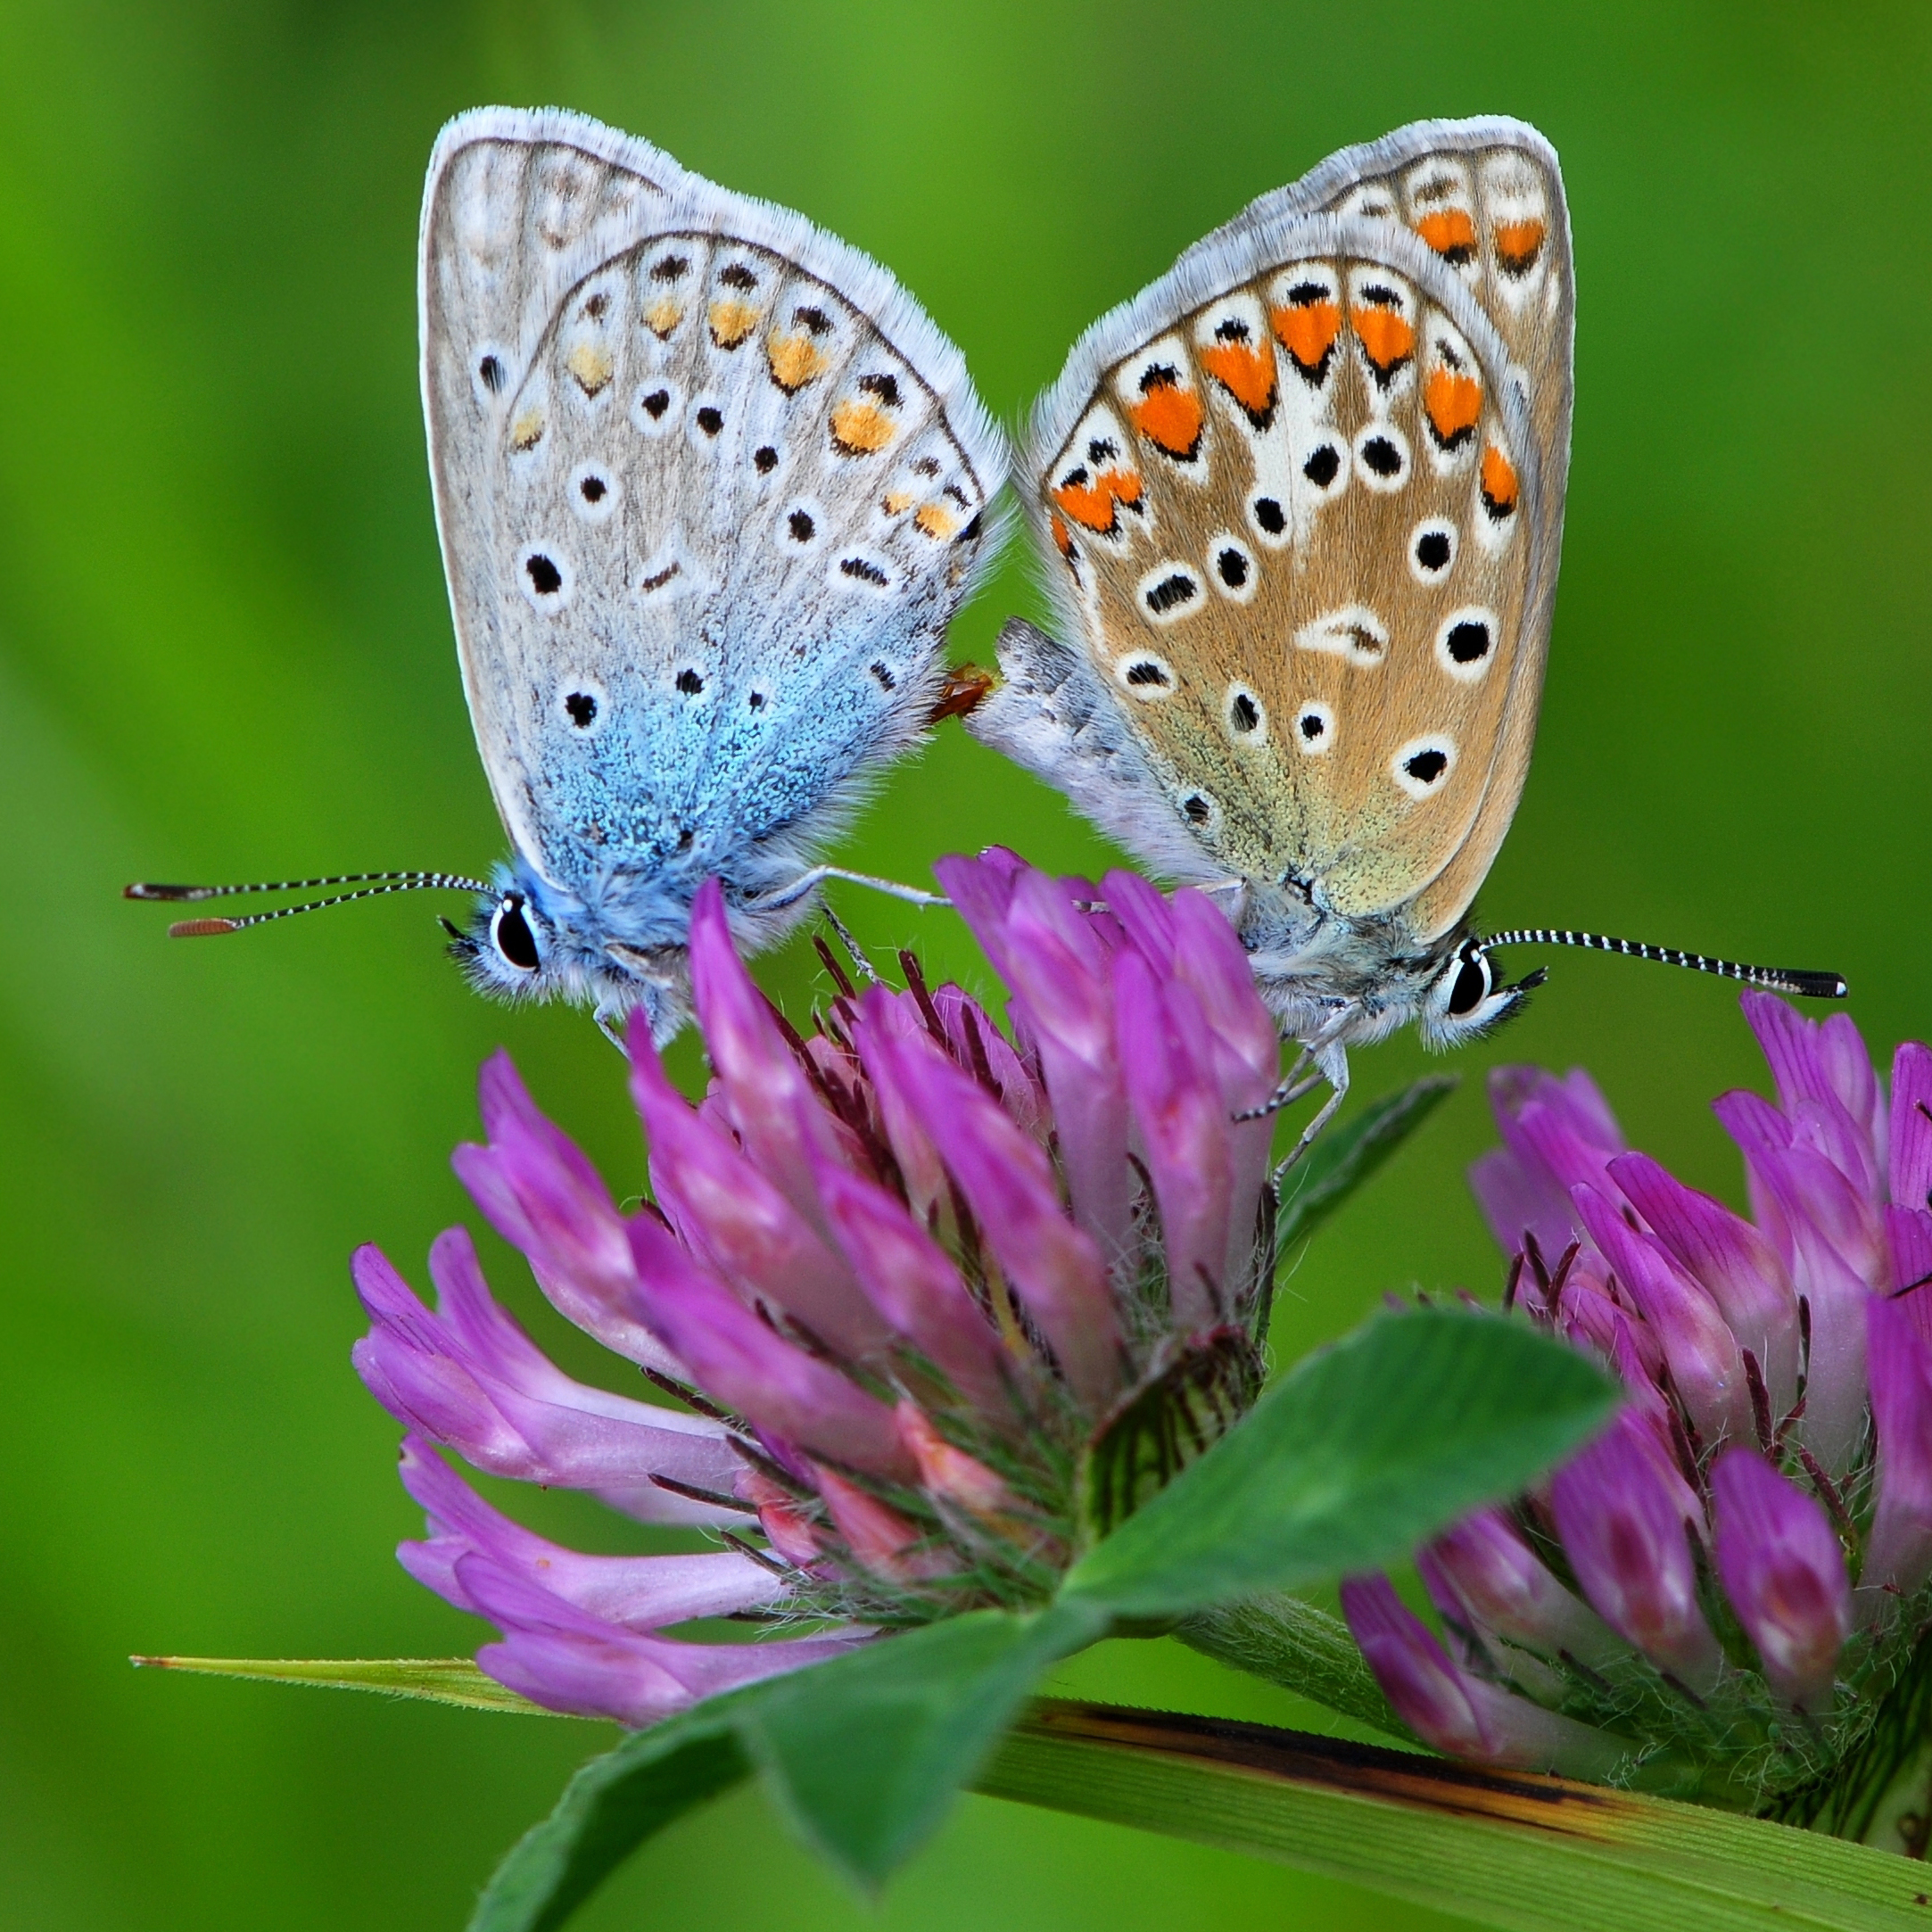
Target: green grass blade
[[1523, 1853], [433, 1679]]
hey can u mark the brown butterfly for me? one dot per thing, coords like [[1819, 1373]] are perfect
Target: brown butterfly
[[1303, 504]]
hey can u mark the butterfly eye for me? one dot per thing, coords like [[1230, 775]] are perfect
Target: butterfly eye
[[510, 934], [1472, 987]]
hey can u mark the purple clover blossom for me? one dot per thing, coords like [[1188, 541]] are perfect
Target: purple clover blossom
[[1718, 1595], [914, 1276]]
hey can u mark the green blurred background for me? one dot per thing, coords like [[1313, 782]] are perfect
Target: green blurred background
[[227, 654]]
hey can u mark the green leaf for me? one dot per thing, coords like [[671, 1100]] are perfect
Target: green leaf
[[433, 1680], [1344, 1157], [1351, 1459], [865, 1754], [1511, 1849], [607, 1809]]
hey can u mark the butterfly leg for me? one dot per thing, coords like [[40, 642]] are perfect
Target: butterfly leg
[[852, 946], [1335, 1070], [809, 881]]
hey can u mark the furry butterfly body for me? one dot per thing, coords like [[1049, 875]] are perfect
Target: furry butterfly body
[[1301, 501], [709, 486]]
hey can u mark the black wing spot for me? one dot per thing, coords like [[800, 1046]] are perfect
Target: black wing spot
[[657, 579], [1197, 808], [1101, 450], [1147, 673], [927, 465], [710, 420], [864, 570], [490, 373], [690, 682], [970, 534], [1169, 594], [1269, 514], [885, 387], [1433, 549], [1313, 725], [1158, 376], [545, 578], [1323, 467], [1305, 293], [815, 321], [799, 523], [583, 709], [1426, 766], [1233, 567], [1244, 712], [1469, 641], [669, 268], [738, 275], [756, 700], [1232, 330], [594, 489], [885, 679], [657, 403], [764, 459], [1382, 455]]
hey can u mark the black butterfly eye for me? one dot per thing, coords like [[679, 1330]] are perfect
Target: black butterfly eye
[[510, 934], [1472, 985]]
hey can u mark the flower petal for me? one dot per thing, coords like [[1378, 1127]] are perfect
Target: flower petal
[[1483, 1571], [1784, 1572], [742, 1362], [737, 1224], [1899, 1552], [1624, 1531]]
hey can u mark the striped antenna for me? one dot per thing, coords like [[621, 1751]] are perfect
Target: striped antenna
[[1812, 986], [374, 885]]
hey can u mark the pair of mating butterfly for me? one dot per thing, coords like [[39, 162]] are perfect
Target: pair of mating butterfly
[[710, 487]]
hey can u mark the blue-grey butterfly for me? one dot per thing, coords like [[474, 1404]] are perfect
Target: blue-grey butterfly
[[1300, 502], [710, 486]]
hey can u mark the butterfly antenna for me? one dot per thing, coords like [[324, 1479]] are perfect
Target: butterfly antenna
[[372, 885], [1810, 986]]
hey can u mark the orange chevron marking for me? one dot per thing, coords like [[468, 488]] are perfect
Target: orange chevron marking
[[1500, 485], [1169, 415], [1248, 375], [1386, 339], [1308, 331], [1517, 243], [1062, 540], [1092, 504], [1454, 402], [1449, 232]]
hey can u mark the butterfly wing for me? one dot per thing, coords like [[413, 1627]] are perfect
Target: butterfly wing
[[709, 486], [1303, 497]]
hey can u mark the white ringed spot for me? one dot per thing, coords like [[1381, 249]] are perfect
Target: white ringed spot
[[1143, 675], [1465, 644], [1433, 546], [1421, 766], [1244, 716], [1231, 568], [658, 406], [1315, 727], [544, 577], [1382, 458], [595, 490], [1169, 592]]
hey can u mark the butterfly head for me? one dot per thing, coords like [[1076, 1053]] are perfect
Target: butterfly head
[[1466, 998], [526, 942]]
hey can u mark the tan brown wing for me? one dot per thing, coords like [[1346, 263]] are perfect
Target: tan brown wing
[[1306, 495]]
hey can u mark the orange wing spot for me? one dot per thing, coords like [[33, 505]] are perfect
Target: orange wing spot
[[1248, 375], [731, 322], [1062, 539], [1455, 404], [1449, 232], [1171, 416], [1308, 331], [662, 316], [794, 362], [897, 501], [1092, 504], [1500, 485], [590, 363], [527, 431], [862, 428], [1518, 243], [1387, 339], [931, 521]]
